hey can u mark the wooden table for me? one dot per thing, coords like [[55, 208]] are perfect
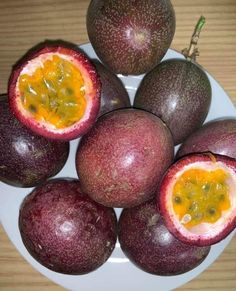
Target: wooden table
[[24, 23]]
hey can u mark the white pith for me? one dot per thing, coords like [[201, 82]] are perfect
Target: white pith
[[204, 230]]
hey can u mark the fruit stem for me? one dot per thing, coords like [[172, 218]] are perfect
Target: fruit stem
[[192, 52]]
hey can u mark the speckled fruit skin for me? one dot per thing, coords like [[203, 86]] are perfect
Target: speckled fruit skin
[[162, 200], [27, 159], [65, 230], [130, 37], [179, 92], [217, 136], [113, 93], [88, 71], [148, 244], [122, 159]]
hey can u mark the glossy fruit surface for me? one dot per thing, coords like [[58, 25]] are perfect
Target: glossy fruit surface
[[179, 92], [147, 242], [27, 159], [55, 91], [123, 157], [65, 230], [130, 37], [217, 136], [197, 198], [113, 92]]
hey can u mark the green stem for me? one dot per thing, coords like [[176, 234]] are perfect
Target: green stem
[[192, 51]]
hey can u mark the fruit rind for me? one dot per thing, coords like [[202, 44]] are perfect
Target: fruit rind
[[66, 231], [147, 242], [119, 162], [27, 159], [217, 136], [130, 37]]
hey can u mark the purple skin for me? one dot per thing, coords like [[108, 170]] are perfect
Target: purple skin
[[113, 93], [179, 92], [130, 37], [218, 136], [122, 159], [66, 231], [27, 159], [148, 244]]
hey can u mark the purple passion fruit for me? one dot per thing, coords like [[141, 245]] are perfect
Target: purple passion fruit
[[121, 160], [66, 231], [217, 136], [147, 242], [179, 92], [113, 93], [130, 37], [27, 159], [55, 91], [197, 198]]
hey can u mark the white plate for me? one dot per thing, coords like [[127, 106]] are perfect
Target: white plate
[[117, 273]]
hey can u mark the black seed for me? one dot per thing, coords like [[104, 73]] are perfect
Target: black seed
[[193, 206], [32, 108], [211, 211], [206, 187], [221, 197], [60, 78], [69, 91], [178, 200]]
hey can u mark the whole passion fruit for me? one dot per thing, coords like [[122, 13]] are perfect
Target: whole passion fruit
[[27, 159], [113, 92], [197, 198], [178, 91], [217, 136], [130, 37], [55, 91], [121, 160], [66, 231], [147, 242]]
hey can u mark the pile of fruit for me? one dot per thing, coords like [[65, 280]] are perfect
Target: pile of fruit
[[175, 206]]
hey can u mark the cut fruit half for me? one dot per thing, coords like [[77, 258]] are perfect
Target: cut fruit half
[[55, 91], [198, 198]]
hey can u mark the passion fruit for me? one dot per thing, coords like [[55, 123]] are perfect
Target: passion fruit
[[179, 92], [130, 37], [121, 160], [148, 244], [55, 91], [217, 136], [113, 92], [197, 198], [66, 231], [27, 159]]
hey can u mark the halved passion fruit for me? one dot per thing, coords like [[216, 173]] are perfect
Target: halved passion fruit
[[55, 91], [198, 198]]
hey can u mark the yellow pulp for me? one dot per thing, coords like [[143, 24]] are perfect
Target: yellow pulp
[[54, 93], [201, 196]]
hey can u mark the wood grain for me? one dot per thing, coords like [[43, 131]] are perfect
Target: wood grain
[[24, 23]]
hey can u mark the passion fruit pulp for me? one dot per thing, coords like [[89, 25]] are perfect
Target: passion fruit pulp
[[197, 198], [55, 91]]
